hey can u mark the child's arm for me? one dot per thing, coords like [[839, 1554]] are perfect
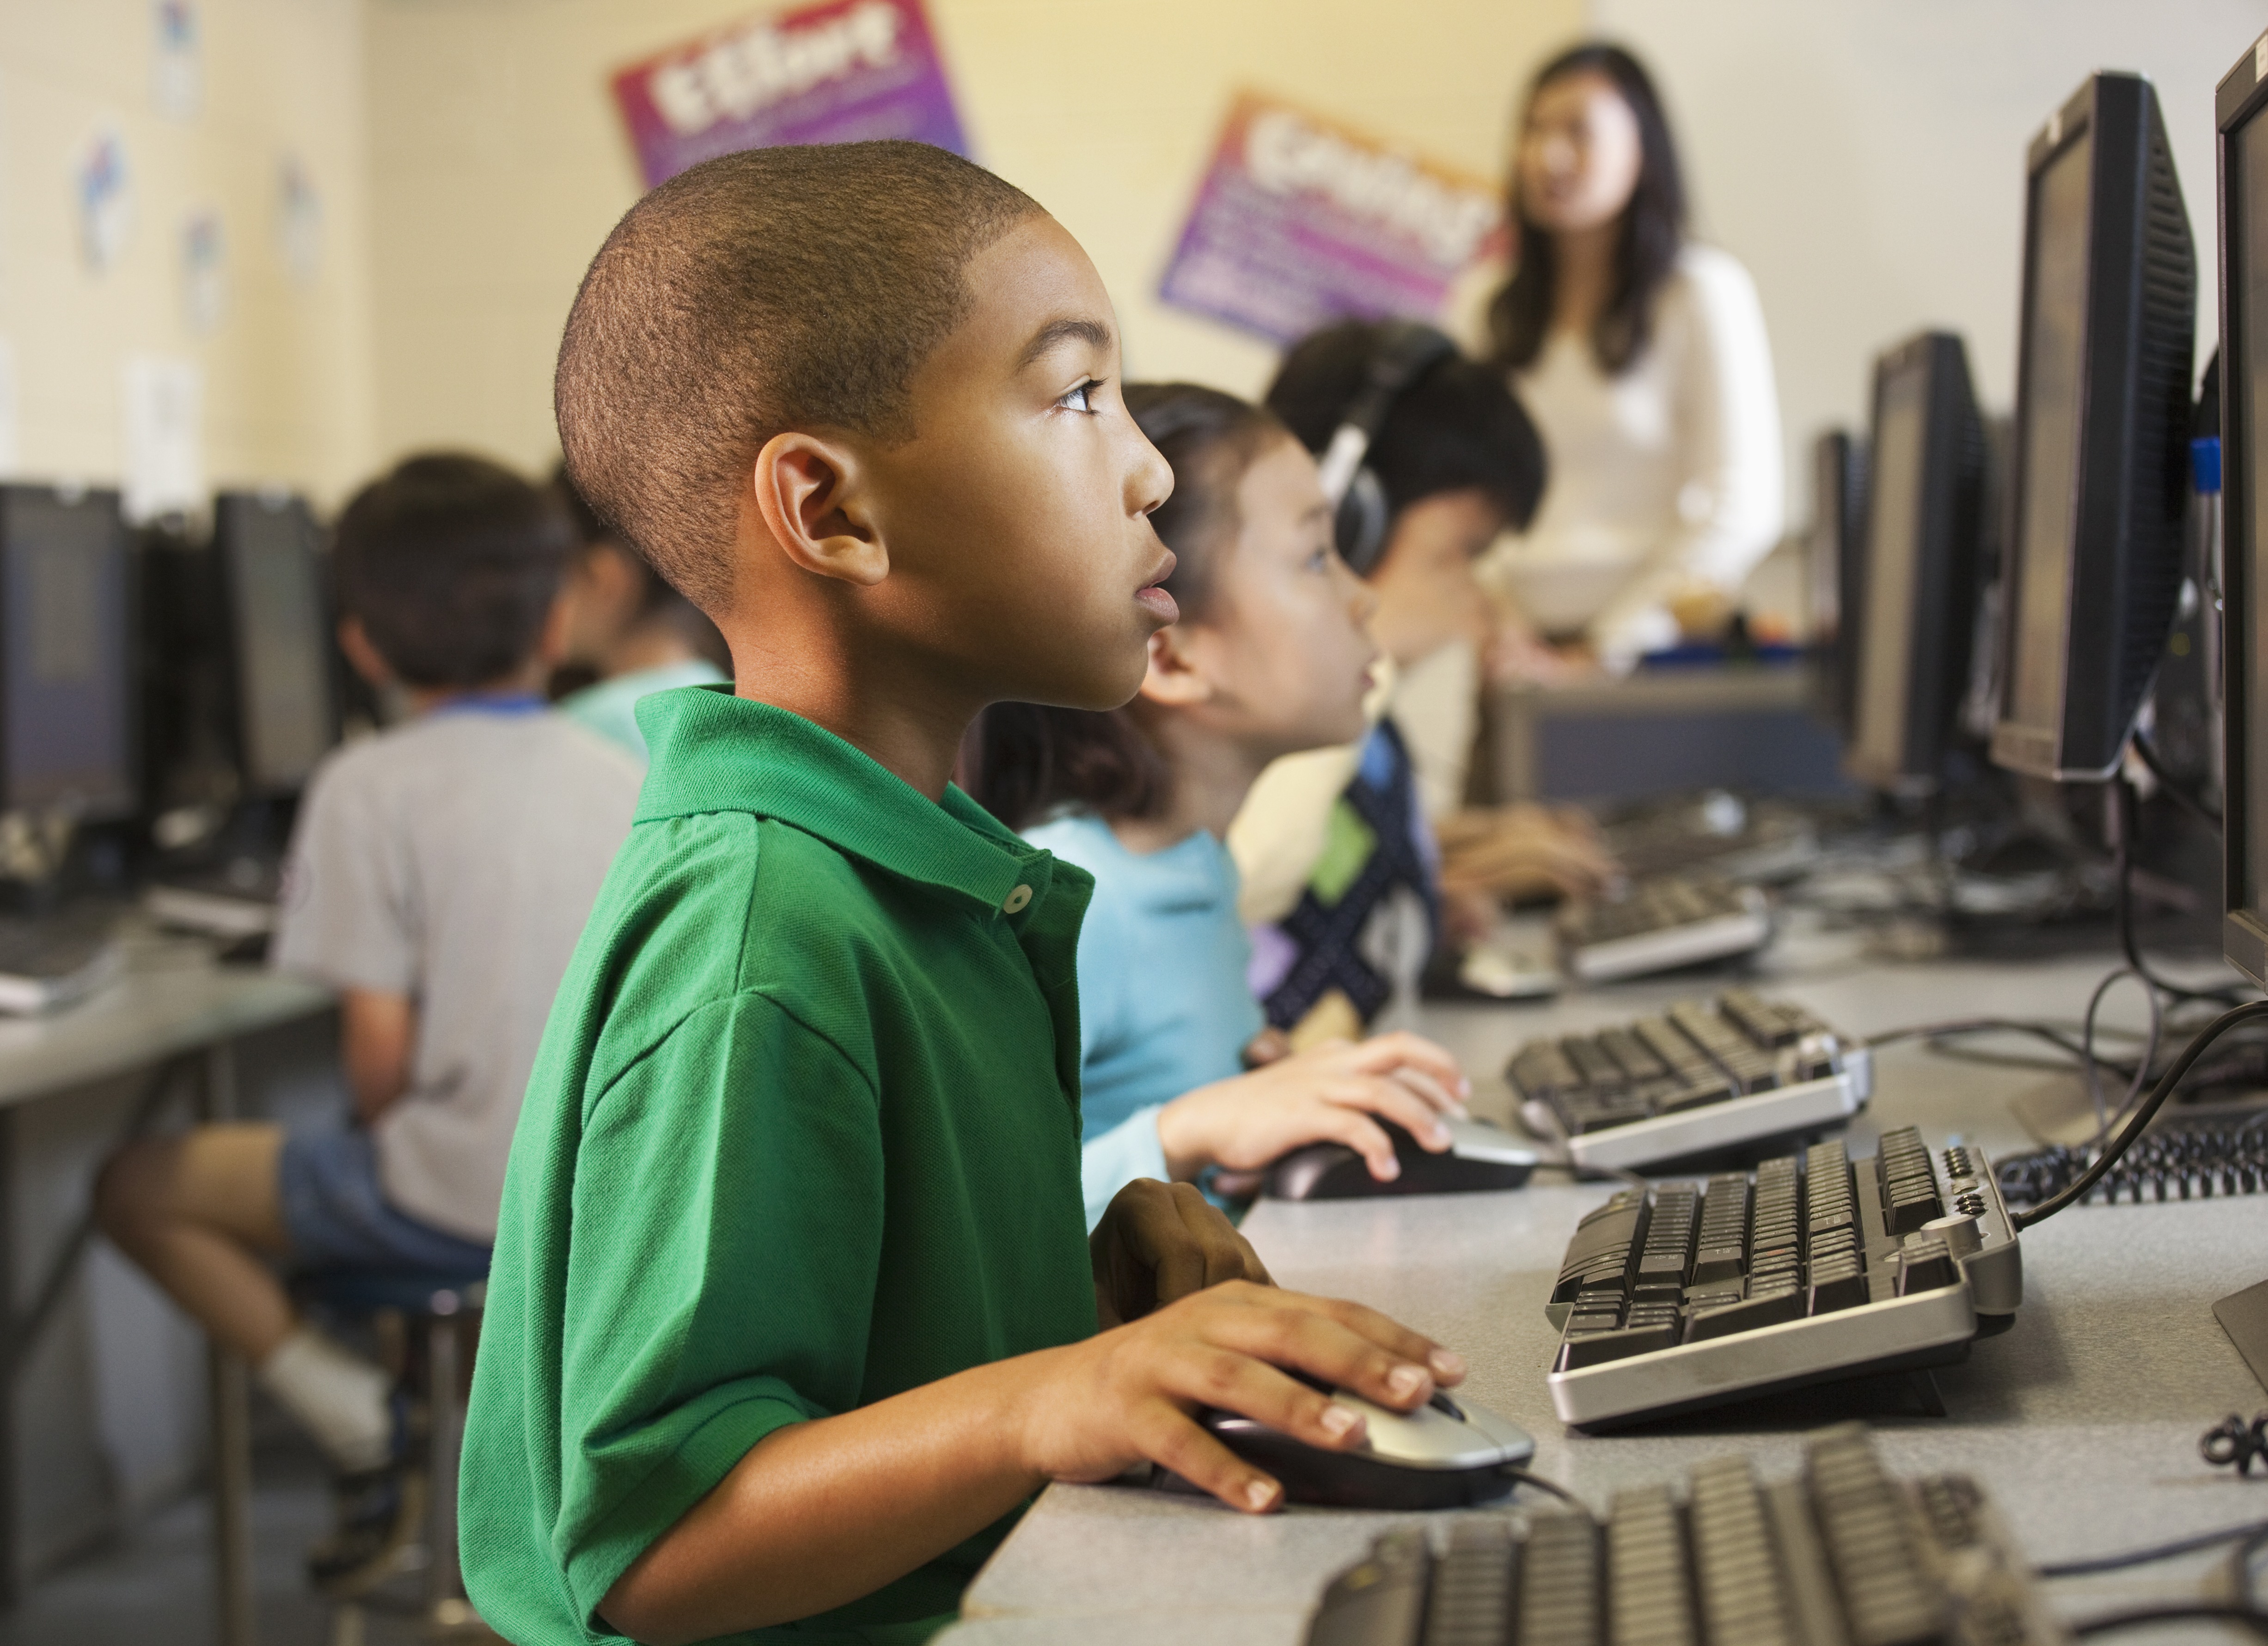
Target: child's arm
[[377, 1031], [819, 1513], [1327, 1095]]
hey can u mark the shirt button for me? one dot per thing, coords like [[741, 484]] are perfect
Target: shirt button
[[1018, 900]]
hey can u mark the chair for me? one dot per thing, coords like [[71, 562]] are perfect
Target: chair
[[440, 1314]]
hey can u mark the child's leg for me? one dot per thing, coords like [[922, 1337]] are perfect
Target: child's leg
[[199, 1213]]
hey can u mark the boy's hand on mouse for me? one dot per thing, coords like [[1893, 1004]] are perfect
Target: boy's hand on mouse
[[1159, 1243], [1326, 1095], [1126, 1396]]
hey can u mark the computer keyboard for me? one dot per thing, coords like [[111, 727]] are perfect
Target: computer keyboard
[[1717, 831], [1842, 1553], [1810, 1269], [1738, 1073], [1662, 924], [49, 962], [2181, 1157]]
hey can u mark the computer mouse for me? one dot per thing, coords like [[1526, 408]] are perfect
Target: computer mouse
[[1479, 1157], [1449, 1452]]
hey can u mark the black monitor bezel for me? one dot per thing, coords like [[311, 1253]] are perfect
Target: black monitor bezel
[[2241, 98], [1940, 641], [127, 802], [2105, 568], [227, 507]]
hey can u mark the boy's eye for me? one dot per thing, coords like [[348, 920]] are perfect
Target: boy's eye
[[1082, 399]]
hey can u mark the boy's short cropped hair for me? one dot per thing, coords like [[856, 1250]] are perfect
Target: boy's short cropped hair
[[451, 563], [1458, 426], [770, 289]]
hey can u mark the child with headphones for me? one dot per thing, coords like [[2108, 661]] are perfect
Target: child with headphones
[[1271, 655], [1351, 886]]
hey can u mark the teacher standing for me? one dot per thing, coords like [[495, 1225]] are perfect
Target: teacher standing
[[1641, 356]]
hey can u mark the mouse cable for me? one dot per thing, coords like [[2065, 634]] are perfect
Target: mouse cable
[[2159, 1552], [2146, 751], [2076, 1190], [2252, 1617], [1542, 1485]]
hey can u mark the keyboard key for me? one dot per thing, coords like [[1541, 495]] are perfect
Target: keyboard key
[[1925, 1265], [1887, 1598], [1758, 1309], [1649, 1598], [1558, 1583], [1736, 1565], [1472, 1585], [1578, 1349]]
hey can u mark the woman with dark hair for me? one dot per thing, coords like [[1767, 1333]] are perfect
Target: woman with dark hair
[[1269, 656], [1642, 357]]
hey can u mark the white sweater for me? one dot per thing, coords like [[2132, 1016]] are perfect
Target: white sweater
[[1664, 479]]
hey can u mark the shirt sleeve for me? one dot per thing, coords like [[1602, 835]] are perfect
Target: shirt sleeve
[[692, 1334], [1729, 494], [1128, 1150], [348, 914]]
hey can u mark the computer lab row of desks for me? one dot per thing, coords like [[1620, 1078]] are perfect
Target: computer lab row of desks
[[2081, 1422]]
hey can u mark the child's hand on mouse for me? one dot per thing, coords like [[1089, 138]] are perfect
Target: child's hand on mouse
[[1326, 1095], [1126, 1396], [1158, 1242]]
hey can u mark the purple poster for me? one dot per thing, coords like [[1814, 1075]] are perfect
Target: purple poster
[[1301, 221], [837, 72]]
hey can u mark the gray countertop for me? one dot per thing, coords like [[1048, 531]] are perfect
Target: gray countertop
[[2081, 1422]]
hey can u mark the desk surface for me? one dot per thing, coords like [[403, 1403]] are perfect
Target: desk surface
[[172, 998], [2082, 1422]]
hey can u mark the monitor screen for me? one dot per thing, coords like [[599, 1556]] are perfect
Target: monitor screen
[[2055, 341], [2247, 296], [67, 661], [1886, 610], [282, 670]]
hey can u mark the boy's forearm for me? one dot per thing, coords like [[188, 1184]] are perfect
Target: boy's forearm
[[817, 1514]]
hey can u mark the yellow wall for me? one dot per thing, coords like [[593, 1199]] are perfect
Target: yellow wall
[[289, 395], [498, 162]]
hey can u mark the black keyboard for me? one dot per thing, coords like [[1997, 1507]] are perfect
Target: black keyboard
[[1717, 832], [1660, 925], [1842, 1552], [1703, 1078], [2181, 1158], [1810, 1269]]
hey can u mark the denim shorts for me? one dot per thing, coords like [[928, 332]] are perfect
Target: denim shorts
[[337, 1216]]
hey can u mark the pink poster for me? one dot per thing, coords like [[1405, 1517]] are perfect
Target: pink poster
[[1301, 221], [836, 72]]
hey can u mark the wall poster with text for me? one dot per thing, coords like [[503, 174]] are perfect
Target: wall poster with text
[[840, 71], [1302, 220]]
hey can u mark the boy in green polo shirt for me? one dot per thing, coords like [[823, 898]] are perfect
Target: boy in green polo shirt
[[792, 1301]]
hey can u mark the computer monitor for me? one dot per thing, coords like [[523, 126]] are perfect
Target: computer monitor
[[67, 716], [1839, 506], [2095, 552], [2242, 106], [1917, 593], [268, 552]]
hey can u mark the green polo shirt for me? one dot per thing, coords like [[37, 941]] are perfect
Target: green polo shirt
[[803, 1134]]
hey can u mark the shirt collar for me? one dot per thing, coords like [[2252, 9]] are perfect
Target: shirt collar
[[713, 752]]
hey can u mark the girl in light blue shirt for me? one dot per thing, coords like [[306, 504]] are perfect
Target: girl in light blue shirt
[[1270, 657]]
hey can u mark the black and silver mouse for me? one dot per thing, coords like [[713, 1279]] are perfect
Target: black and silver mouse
[[1479, 1157], [1447, 1453]]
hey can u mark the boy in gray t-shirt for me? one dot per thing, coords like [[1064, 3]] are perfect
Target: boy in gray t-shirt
[[439, 877]]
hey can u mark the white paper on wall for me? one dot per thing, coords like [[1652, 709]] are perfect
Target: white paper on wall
[[205, 272], [161, 400], [298, 221], [176, 59], [103, 183]]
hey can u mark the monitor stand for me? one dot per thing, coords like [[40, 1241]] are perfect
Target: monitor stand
[[2243, 1315]]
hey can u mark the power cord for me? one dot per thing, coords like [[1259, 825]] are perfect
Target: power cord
[[1542, 1485], [2158, 1552], [2108, 1155], [2146, 751], [2252, 1617], [2234, 1444], [2122, 906]]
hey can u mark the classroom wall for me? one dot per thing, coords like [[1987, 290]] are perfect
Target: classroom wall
[[499, 161], [1867, 162], [288, 394]]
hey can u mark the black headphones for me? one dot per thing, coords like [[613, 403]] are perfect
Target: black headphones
[[1401, 352]]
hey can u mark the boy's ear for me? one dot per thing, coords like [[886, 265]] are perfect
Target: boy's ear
[[807, 491], [551, 640], [354, 640], [1173, 679]]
